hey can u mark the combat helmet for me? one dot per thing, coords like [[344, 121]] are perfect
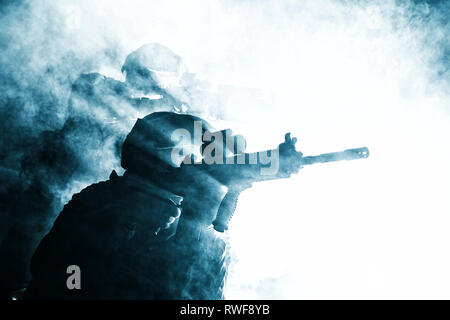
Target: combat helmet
[[153, 66]]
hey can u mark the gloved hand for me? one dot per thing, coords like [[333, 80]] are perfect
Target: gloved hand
[[289, 157]]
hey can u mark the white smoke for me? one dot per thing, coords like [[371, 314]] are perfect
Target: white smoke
[[337, 74]]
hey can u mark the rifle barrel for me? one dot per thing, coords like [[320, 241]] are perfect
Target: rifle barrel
[[349, 154]]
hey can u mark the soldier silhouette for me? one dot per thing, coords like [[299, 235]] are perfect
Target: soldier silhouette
[[149, 233], [101, 111]]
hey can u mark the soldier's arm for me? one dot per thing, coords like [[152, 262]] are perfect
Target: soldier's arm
[[241, 170]]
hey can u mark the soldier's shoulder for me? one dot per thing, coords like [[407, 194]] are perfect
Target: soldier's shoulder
[[91, 198], [87, 81], [94, 190]]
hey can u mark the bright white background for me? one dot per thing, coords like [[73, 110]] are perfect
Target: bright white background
[[337, 76]]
